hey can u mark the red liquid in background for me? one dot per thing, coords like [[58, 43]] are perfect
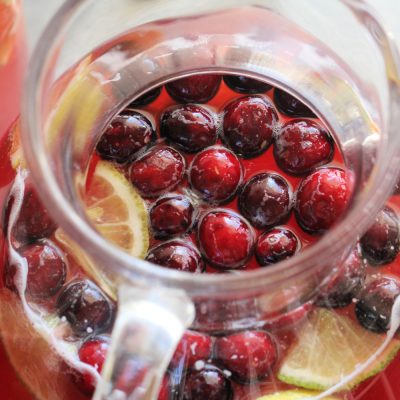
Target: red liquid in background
[[385, 386]]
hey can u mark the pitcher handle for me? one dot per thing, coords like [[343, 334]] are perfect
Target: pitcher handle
[[148, 327]]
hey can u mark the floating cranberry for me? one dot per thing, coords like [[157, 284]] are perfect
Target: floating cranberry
[[289, 105], [128, 133], [34, 222], [250, 355], [215, 174], [172, 215], [226, 239], [146, 98], [265, 200], [157, 171], [276, 245], [164, 393], [301, 146], [191, 127], [289, 319], [176, 254], [46, 269], [245, 85], [85, 307], [322, 198], [380, 244], [194, 88], [208, 383], [193, 347], [130, 374], [347, 282], [248, 125], [93, 352], [375, 302]]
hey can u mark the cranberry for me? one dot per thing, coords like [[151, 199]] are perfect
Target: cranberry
[[130, 374], [380, 243], [194, 88], [172, 215], [93, 352], [34, 222], [128, 133], [46, 269], [248, 125], [175, 254], [208, 383], [346, 284], [288, 320], [215, 174], [146, 98], [322, 198], [375, 302], [249, 355], [226, 239], [191, 127], [245, 85], [289, 105], [193, 347], [276, 245], [164, 393], [301, 146], [265, 200], [85, 307], [157, 171]]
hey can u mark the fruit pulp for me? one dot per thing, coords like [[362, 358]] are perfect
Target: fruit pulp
[[176, 192]]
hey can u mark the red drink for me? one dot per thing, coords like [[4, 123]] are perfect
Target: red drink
[[246, 178]]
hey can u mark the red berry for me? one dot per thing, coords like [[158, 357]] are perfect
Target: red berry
[[375, 302], [93, 352], [346, 283], [380, 244], [128, 133], [191, 127], [146, 98], [130, 374], [208, 383], [164, 393], [249, 124], [85, 307], [276, 245], [172, 215], [194, 88], [265, 200], [193, 347], [288, 320], [245, 85], [34, 222], [215, 174], [46, 269], [289, 105], [301, 146], [322, 198], [157, 171], [226, 240], [176, 254], [250, 355]]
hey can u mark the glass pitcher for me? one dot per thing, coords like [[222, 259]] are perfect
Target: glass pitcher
[[76, 288]]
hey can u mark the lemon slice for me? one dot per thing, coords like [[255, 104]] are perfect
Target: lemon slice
[[117, 210], [294, 395], [329, 347]]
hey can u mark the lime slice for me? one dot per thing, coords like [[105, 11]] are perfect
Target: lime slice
[[294, 395], [117, 210], [329, 347]]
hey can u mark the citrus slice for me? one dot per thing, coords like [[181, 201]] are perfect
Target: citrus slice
[[330, 347], [117, 210], [8, 25], [294, 395]]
